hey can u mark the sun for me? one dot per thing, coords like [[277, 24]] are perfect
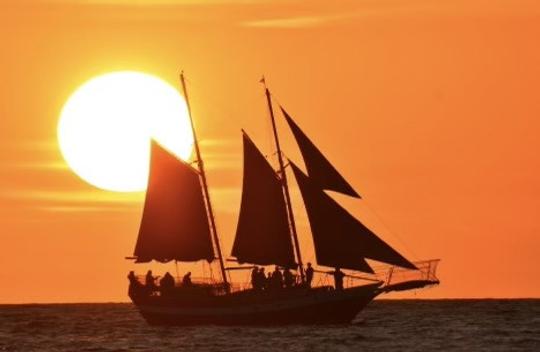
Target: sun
[[105, 128]]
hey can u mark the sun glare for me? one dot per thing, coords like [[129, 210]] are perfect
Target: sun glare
[[105, 128]]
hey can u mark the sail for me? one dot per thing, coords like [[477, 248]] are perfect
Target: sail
[[340, 239], [320, 171], [262, 234], [174, 224]]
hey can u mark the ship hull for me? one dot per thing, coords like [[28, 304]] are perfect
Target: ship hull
[[296, 306]]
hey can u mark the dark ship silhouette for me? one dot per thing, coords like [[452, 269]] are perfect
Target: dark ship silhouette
[[178, 225]]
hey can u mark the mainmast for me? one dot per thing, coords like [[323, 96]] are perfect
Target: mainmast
[[284, 182], [200, 165]]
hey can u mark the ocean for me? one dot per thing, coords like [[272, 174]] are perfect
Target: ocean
[[385, 325]]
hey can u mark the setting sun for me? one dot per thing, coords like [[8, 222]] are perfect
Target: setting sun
[[106, 125]]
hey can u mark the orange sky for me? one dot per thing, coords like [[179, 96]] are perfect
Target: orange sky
[[430, 110]]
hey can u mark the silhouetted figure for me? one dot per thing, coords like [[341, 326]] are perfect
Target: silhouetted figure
[[277, 279], [166, 284], [309, 274], [261, 277], [338, 278], [134, 284], [268, 281], [150, 281], [186, 280], [255, 279], [132, 278], [288, 278]]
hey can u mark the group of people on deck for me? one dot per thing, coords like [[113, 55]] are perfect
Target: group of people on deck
[[286, 279], [260, 281], [275, 280], [166, 284]]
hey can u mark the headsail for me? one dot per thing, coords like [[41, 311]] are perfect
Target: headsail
[[174, 224], [340, 239], [263, 235], [320, 170]]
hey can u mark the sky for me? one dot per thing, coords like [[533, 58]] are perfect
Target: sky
[[430, 109]]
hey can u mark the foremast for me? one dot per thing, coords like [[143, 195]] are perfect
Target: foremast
[[284, 183], [200, 165]]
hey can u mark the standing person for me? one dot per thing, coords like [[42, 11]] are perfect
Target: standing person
[[149, 281], [134, 284], [255, 279], [338, 278], [167, 280], [132, 278], [288, 278], [166, 284], [186, 280], [309, 274], [277, 278], [261, 277]]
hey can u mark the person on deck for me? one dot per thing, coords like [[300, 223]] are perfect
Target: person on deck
[[166, 284], [150, 281], [288, 278], [277, 279], [261, 277], [132, 278], [255, 279], [309, 274], [186, 280], [134, 284], [338, 278]]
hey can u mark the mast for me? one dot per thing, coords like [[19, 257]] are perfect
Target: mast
[[200, 164], [284, 182]]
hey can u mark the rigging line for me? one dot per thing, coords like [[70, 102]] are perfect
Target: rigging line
[[379, 218], [387, 228], [237, 108], [221, 106]]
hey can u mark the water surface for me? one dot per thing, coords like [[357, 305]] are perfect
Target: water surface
[[385, 325]]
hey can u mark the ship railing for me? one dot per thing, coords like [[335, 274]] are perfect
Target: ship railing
[[199, 282], [397, 278], [178, 280], [325, 279], [390, 277]]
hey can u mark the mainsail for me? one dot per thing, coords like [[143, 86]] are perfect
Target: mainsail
[[320, 170], [263, 234], [340, 239], [174, 224]]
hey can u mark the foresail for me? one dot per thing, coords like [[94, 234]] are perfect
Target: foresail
[[320, 170], [340, 239], [174, 224], [262, 235]]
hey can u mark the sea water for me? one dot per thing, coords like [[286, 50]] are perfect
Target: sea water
[[385, 325]]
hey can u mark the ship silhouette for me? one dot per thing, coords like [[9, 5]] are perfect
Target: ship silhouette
[[178, 225]]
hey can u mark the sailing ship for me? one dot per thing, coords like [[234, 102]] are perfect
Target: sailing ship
[[178, 225]]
